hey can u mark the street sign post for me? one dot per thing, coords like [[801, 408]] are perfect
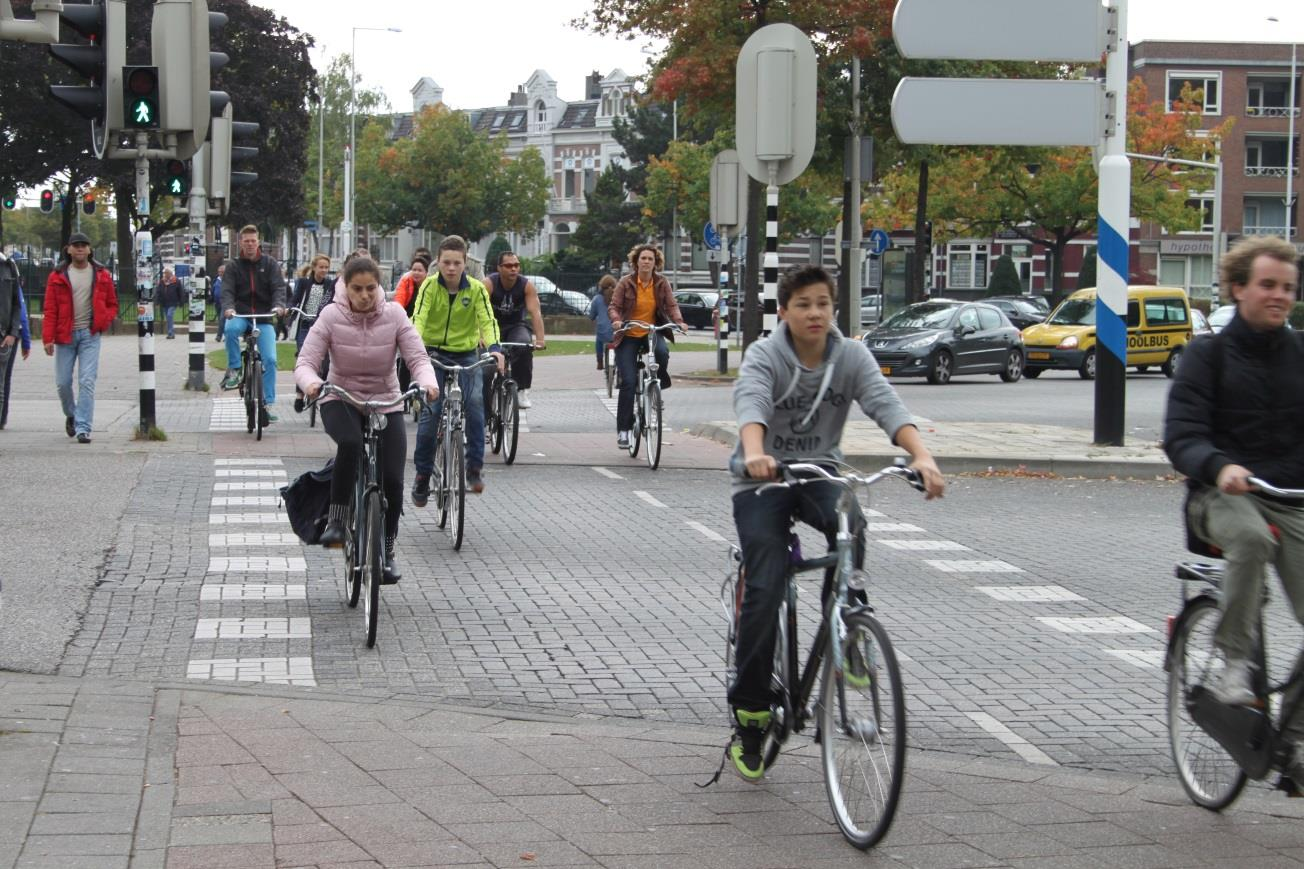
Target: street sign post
[[1036, 112], [879, 241], [710, 237], [728, 213]]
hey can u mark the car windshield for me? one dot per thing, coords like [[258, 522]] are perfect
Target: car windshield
[[1027, 308], [1075, 312], [927, 315]]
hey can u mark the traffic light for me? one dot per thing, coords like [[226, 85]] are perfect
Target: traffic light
[[928, 235], [103, 23], [10, 202], [223, 153], [176, 178], [140, 98], [181, 36], [88, 203], [47, 201]]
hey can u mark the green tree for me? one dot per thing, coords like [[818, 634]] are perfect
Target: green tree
[[1087, 274], [1004, 279], [497, 248], [610, 226]]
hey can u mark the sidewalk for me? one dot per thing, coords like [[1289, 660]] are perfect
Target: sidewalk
[[105, 774]]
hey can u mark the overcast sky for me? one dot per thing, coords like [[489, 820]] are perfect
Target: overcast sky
[[480, 51]]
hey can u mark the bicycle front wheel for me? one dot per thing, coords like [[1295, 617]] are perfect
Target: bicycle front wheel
[[494, 415], [353, 553], [652, 421], [863, 731], [1209, 774], [636, 433], [439, 479], [373, 562], [510, 423], [456, 491], [609, 368], [256, 392]]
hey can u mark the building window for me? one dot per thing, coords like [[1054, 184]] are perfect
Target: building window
[[568, 190], [540, 112], [967, 266], [1205, 206], [1210, 84]]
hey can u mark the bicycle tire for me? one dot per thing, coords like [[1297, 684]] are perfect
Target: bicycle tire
[[250, 414], [494, 415], [863, 733], [609, 368], [1209, 774], [783, 678], [457, 493], [352, 555], [652, 421], [256, 390], [373, 562], [510, 423], [439, 479], [636, 433]]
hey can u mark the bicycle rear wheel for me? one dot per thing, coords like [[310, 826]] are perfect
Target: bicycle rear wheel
[[510, 422], [863, 731], [636, 433], [457, 492], [373, 555], [439, 479], [494, 416], [1209, 774], [353, 555], [609, 368], [782, 680], [256, 392], [653, 423]]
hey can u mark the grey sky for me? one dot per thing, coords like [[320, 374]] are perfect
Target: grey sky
[[480, 51]]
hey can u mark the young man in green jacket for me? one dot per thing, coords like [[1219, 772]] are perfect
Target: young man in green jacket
[[454, 317]]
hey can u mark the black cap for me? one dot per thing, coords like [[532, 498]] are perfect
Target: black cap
[[78, 238]]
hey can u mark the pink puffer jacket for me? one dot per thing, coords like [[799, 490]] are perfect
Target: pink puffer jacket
[[362, 349]]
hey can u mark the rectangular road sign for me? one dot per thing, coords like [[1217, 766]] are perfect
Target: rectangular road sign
[[1069, 30], [978, 111]]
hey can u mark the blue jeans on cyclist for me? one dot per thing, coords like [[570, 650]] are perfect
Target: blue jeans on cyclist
[[234, 330], [764, 522], [472, 397], [627, 353]]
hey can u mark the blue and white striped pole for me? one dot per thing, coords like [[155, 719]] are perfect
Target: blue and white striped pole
[[1113, 232], [770, 292]]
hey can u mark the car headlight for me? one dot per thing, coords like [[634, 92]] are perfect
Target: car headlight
[[1069, 343], [920, 343]]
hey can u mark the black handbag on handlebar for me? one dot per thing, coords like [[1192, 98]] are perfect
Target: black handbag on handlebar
[[307, 502]]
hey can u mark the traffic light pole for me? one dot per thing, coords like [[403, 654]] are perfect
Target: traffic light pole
[[198, 286], [145, 302]]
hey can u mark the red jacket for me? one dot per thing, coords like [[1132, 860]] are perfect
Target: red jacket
[[57, 326]]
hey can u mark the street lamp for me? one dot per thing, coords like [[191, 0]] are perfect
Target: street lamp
[[353, 150], [1290, 139]]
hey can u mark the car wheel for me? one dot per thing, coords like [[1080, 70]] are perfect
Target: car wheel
[[1013, 369], [940, 371], [1142, 369], [1174, 359], [1087, 370]]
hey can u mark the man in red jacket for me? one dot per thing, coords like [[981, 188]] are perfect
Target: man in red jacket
[[80, 304]]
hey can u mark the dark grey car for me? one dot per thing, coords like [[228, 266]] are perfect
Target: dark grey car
[[942, 338]]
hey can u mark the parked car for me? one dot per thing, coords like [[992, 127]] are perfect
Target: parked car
[[542, 284], [1220, 317], [558, 305], [941, 338], [1022, 311], [1200, 323], [871, 308], [698, 307]]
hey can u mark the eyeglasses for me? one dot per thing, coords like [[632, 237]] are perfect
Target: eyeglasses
[[510, 266]]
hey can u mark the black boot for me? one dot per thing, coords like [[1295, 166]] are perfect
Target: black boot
[[333, 535], [390, 575]]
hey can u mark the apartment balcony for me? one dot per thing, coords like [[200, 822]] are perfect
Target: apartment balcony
[[1279, 231], [1270, 111], [1269, 171], [570, 205]]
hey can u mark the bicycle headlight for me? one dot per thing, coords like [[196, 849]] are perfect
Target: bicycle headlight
[[919, 343]]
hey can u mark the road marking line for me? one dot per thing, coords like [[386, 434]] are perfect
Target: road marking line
[[253, 629], [1029, 593], [248, 519], [259, 486], [900, 527], [250, 472], [653, 501], [246, 501], [280, 671], [236, 591], [223, 540], [1016, 743], [246, 463], [609, 474], [1096, 625], [923, 545], [947, 566], [257, 564], [705, 532], [1146, 659]]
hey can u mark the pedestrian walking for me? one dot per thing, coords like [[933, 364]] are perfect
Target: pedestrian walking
[[80, 305], [601, 318], [216, 299], [13, 329], [169, 296]]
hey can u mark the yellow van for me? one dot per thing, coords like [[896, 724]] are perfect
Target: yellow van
[[1158, 330]]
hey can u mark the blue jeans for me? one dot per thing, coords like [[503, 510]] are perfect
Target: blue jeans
[[235, 329], [627, 353], [472, 398], [168, 312], [763, 527], [84, 352]]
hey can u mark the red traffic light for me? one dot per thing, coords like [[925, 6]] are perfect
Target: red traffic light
[[47, 201], [88, 203]]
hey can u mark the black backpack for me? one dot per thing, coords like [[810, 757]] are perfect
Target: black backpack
[[307, 502]]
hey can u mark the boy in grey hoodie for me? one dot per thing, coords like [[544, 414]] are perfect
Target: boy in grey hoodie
[[792, 397]]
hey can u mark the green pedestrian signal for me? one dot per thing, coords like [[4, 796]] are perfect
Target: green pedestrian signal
[[10, 202], [140, 97], [176, 175]]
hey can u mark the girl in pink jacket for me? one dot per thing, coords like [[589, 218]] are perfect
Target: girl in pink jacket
[[361, 331]]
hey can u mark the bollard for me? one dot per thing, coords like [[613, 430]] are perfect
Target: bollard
[[198, 304], [145, 336]]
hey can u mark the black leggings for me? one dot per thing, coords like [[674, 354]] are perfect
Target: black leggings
[[344, 425]]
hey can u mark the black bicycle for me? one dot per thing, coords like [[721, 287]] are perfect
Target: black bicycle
[[502, 416], [648, 407], [364, 542], [251, 377], [860, 712], [448, 479], [1217, 747]]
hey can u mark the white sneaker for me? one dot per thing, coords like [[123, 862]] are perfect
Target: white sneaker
[[1235, 685], [622, 440], [523, 399]]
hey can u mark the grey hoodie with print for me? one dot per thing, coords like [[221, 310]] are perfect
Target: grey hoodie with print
[[777, 391]]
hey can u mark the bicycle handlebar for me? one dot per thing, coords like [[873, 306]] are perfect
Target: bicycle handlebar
[[846, 476], [486, 359], [370, 406], [1265, 486], [639, 324], [531, 345]]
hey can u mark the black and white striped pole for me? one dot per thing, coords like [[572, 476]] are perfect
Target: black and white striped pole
[[198, 283], [145, 330], [722, 338], [775, 128]]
